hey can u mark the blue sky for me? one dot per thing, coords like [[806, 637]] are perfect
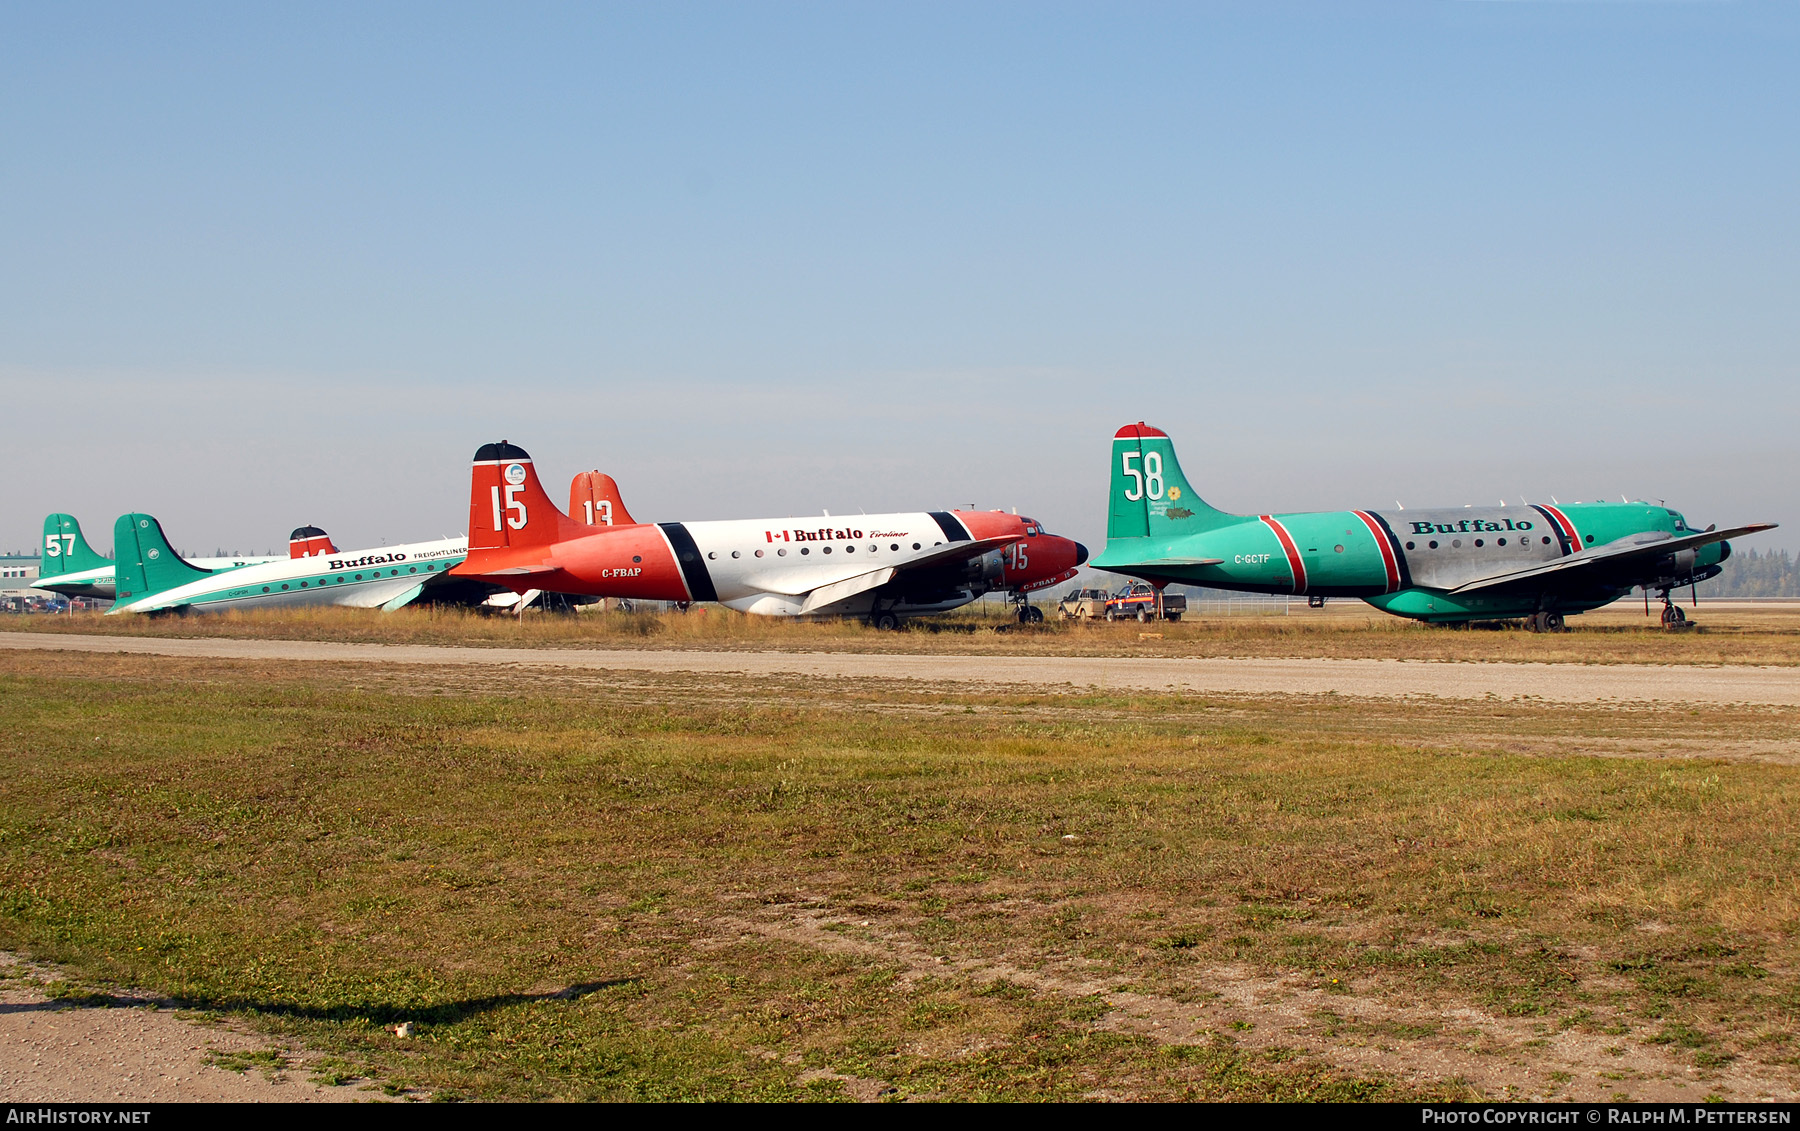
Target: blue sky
[[275, 264]]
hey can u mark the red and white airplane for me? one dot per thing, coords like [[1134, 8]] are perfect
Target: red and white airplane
[[884, 567]]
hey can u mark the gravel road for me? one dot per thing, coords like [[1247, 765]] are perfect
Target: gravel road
[[1375, 679], [129, 1051]]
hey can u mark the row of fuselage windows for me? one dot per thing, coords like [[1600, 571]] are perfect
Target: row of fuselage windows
[[781, 551], [345, 579], [1456, 543]]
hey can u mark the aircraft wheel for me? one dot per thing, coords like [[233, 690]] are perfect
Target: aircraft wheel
[[1553, 622], [1535, 622], [1037, 614], [887, 622]]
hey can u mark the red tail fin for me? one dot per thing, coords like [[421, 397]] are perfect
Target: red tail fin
[[507, 504], [594, 500], [309, 542]]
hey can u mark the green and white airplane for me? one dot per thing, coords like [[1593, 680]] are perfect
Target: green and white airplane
[[153, 578], [1536, 562], [72, 568]]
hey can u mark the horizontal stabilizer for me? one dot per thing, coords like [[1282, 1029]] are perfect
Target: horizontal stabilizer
[[845, 589], [1634, 550]]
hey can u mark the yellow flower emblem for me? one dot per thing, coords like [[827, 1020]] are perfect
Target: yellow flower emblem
[[1174, 493]]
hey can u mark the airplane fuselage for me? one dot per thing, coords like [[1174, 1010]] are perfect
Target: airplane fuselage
[[787, 566], [98, 583], [1405, 561], [360, 578]]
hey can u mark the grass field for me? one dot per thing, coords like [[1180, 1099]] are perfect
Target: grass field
[[592, 885], [1617, 635]]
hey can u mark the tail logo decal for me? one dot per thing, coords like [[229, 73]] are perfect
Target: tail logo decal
[[1389, 560], [515, 473], [1292, 551]]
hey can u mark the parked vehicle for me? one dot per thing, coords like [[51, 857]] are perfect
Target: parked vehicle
[[1140, 599], [1079, 604]]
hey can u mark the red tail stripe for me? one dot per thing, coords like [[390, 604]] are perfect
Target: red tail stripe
[[1388, 560], [1292, 551]]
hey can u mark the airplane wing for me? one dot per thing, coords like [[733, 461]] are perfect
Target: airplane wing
[[942, 555], [1639, 549], [849, 587]]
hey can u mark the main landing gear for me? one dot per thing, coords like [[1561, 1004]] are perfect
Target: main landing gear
[[1544, 622]]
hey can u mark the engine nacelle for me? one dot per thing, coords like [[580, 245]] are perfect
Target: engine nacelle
[[986, 571], [1677, 569]]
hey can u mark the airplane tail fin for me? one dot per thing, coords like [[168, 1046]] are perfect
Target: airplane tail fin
[[594, 500], [146, 564], [309, 542], [508, 506], [1150, 495], [65, 550]]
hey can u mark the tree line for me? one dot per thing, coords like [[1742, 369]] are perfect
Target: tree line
[[1752, 574]]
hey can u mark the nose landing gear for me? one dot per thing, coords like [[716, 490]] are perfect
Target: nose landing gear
[[1672, 616], [1028, 612]]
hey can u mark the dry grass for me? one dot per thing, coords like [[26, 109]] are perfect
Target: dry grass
[[605, 886], [1620, 635]]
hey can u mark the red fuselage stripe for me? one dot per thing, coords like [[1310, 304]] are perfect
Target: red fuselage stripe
[[1387, 551], [1292, 551], [1568, 528]]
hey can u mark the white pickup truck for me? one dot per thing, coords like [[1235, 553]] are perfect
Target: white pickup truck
[[1081, 604]]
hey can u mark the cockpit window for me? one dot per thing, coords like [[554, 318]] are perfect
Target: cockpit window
[[1680, 522]]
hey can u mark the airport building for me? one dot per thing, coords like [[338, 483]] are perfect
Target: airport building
[[16, 574]]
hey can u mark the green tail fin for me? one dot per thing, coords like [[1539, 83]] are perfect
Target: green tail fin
[[1150, 495], [146, 563], [65, 550]]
